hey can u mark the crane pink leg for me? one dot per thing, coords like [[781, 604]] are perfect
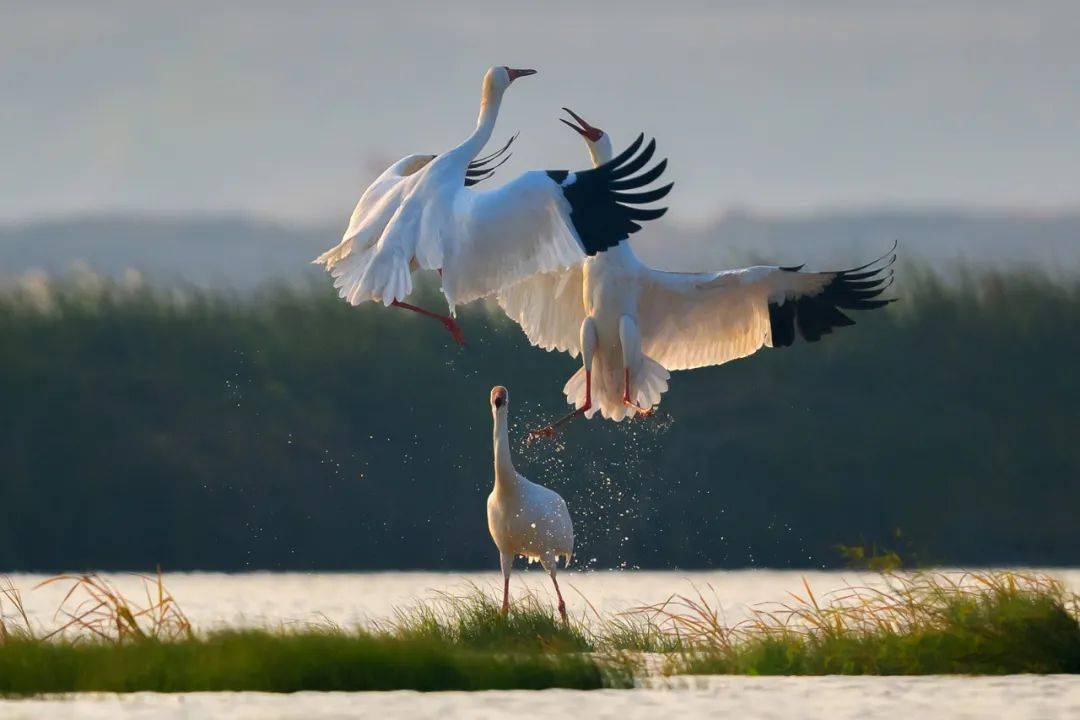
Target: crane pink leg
[[448, 322], [562, 603], [642, 412], [549, 431], [506, 595]]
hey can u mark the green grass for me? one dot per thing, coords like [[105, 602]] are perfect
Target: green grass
[[907, 624], [286, 662], [110, 642], [985, 624], [633, 633], [476, 621]]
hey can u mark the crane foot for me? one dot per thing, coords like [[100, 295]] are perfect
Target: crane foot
[[545, 432], [455, 330]]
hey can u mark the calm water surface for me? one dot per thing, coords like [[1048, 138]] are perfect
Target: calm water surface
[[257, 599], [1017, 697]]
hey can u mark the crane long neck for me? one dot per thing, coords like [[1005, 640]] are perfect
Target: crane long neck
[[505, 474], [485, 125], [599, 154]]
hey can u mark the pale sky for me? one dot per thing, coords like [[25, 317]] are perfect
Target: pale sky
[[285, 109]]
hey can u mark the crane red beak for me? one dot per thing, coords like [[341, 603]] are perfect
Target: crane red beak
[[515, 73], [587, 131]]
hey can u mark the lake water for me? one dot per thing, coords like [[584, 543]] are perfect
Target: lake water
[[213, 600], [261, 599], [1016, 697]]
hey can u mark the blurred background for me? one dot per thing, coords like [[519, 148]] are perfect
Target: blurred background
[[179, 386]]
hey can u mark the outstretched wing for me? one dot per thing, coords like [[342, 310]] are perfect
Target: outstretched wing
[[547, 220], [549, 307], [602, 211], [691, 320], [375, 208], [384, 195]]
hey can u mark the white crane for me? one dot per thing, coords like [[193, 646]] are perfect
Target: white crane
[[478, 170], [633, 324], [420, 214], [524, 518]]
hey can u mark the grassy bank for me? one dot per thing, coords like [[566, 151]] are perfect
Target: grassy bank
[[907, 624], [922, 624], [285, 662], [106, 641], [476, 621]]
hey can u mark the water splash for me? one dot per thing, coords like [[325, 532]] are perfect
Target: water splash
[[612, 510]]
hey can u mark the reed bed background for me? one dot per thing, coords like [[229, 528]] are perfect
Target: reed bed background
[[245, 421]]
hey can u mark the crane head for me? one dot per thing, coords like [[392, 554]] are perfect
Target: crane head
[[499, 396], [498, 78], [584, 129], [514, 73], [598, 141]]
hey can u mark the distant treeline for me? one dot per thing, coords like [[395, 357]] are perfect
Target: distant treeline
[[285, 430]]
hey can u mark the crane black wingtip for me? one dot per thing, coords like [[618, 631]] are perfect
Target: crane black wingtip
[[601, 213], [625, 155], [815, 315], [639, 161]]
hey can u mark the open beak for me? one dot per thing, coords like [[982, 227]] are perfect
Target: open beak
[[515, 73], [583, 128]]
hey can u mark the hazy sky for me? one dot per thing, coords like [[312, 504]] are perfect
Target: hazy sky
[[285, 109]]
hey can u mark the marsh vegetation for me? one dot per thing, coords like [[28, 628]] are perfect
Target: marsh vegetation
[[908, 624], [276, 430]]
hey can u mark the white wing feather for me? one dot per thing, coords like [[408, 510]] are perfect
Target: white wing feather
[[373, 211], [549, 307], [506, 235], [691, 320]]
